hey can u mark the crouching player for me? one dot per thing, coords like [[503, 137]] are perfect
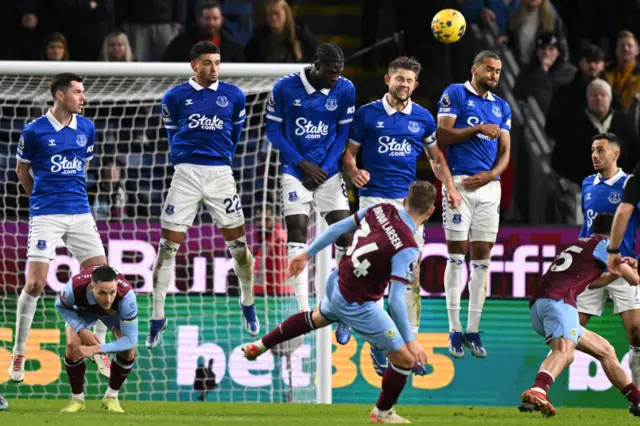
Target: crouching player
[[99, 292], [554, 316], [383, 250]]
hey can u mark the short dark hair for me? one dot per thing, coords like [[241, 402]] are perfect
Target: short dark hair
[[104, 274], [602, 224], [203, 48], [61, 82], [421, 196], [328, 53], [405, 63], [610, 137], [592, 52], [485, 54], [209, 4]]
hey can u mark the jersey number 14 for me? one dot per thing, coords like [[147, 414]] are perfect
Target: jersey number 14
[[361, 269]]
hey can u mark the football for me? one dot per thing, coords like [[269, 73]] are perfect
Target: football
[[448, 26]]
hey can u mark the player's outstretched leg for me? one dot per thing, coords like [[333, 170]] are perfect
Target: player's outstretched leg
[[102, 361], [599, 348], [75, 373], [120, 368], [162, 270], [393, 381]]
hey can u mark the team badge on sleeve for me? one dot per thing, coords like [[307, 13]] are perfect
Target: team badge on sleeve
[[445, 101]]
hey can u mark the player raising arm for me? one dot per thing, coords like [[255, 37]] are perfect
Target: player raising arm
[[56, 148], [474, 126], [204, 119], [383, 250], [96, 293], [392, 134], [554, 316], [309, 116]]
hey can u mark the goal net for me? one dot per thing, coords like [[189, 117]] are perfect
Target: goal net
[[127, 183]]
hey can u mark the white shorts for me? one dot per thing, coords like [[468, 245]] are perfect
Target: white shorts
[[78, 232], [329, 197], [397, 203], [625, 298], [478, 216], [214, 186]]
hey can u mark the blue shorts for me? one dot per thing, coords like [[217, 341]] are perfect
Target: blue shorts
[[368, 319], [553, 319], [111, 321]]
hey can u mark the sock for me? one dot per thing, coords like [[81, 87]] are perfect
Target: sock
[[543, 381], [453, 276], [634, 364], [300, 283], [78, 397], [111, 393], [100, 331], [162, 270], [294, 326], [340, 251], [632, 393], [27, 305], [75, 372], [414, 306], [393, 382], [477, 293], [243, 267], [120, 369]]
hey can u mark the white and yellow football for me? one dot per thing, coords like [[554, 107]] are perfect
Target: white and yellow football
[[448, 26]]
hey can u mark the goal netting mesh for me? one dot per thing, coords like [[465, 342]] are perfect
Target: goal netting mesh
[[127, 183]]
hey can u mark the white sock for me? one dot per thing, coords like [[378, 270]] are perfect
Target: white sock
[[477, 292], [78, 397], [111, 393], [378, 412], [414, 307], [634, 364], [301, 282], [100, 331], [162, 271], [243, 267], [340, 251], [453, 276], [27, 305]]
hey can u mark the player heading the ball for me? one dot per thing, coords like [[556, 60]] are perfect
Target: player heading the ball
[[203, 118], [56, 148], [99, 292]]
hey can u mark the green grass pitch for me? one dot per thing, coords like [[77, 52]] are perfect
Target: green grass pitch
[[46, 412]]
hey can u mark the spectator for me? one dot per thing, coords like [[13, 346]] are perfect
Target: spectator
[[108, 198], [116, 48], [571, 100], [205, 380], [485, 11], [209, 27], [151, 25], [624, 73], [570, 157], [531, 18], [545, 74], [56, 48], [20, 20], [274, 274], [281, 39]]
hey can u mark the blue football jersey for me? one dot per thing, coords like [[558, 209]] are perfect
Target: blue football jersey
[[604, 196], [479, 153], [309, 118], [391, 143], [57, 155], [200, 122]]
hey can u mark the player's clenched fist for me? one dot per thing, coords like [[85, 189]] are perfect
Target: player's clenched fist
[[298, 264], [490, 130], [359, 178]]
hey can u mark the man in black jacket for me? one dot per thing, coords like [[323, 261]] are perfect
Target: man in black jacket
[[209, 27]]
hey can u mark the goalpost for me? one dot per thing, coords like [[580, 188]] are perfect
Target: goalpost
[[127, 182]]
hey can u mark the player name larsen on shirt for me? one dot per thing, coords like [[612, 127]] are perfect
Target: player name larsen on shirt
[[388, 228]]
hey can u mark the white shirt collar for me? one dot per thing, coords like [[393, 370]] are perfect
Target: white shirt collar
[[57, 125], [308, 87], [391, 110], [469, 87], [214, 86], [612, 180]]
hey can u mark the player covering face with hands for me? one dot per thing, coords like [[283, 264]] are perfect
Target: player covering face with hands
[[383, 250]]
